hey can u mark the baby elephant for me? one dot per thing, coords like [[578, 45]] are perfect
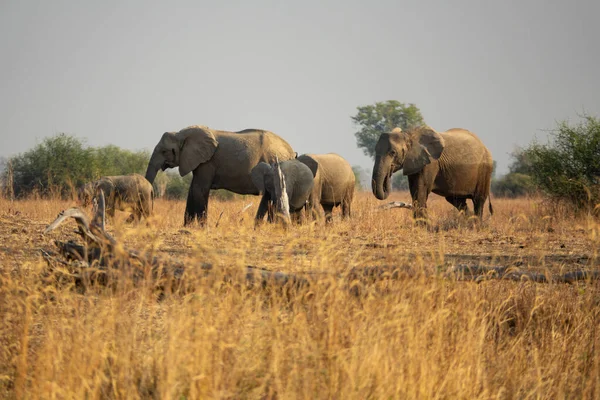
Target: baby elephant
[[129, 193], [334, 184], [298, 182]]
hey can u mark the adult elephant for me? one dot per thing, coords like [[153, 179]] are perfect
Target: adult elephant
[[299, 181], [454, 164], [217, 160], [334, 183]]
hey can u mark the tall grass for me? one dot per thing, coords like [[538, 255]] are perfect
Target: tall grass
[[418, 337]]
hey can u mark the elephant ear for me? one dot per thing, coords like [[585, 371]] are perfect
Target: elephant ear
[[258, 175], [426, 145], [310, 162], [197, 146]]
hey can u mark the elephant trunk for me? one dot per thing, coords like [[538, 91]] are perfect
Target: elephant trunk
[[382, 178], [156, 162]]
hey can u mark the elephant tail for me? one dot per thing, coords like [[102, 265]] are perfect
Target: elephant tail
[[490, 206]]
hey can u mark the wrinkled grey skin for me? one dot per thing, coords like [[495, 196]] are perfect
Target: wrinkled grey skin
[[334, 184], [299, 181], [129, 193], [217, 160], [454, 164]]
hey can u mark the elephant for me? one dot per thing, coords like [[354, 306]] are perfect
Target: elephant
[[217, 160], [124, 193], [334, 184], [454, 164], [299, 181]]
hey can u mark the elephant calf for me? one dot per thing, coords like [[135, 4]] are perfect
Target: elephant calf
[[334, 183], [129, 193], [299, 181]]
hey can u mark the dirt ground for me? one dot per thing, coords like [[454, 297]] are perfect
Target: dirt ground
[[522, 232]]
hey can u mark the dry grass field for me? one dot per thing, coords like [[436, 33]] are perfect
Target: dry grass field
[[422, 336]]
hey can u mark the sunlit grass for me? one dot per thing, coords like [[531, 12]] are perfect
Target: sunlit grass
[[418, 337]]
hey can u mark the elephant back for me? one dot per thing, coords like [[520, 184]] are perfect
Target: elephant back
[[251, 146], [334, 176]]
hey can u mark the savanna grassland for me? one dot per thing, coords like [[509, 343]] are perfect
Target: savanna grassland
[[422, 336]]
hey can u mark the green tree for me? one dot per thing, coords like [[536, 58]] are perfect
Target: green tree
[[113, 160], [358, 174], [63, 162], [373, 120], [521, 163], [567, 168], [60, 162], [518, 182], [399, 181], [177, 187]]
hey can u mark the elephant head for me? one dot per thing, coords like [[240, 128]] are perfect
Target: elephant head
[[85, 193], [262, 177], [291, 177], [186, 149], [409, 151]]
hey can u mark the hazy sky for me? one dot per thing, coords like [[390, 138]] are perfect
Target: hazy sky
[[124, 72]]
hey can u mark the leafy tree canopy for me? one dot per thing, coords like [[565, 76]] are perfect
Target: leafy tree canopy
[[373, 120], [63, 162]]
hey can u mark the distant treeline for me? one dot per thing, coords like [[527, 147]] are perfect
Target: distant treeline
[[61, 163], [566, 168]]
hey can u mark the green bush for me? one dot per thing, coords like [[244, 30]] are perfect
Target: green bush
[[399, 182], [172, 186], [60, 163], [568, 167], [513, 185]]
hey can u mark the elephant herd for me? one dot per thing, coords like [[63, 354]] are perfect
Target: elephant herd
[[454, 164]]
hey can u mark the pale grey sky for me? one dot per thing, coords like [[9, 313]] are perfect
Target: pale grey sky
[[124, 72]]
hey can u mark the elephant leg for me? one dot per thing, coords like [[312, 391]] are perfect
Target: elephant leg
[[459, 202], [328, 208], [196, 207], [419, 192], [137, 216], [478, 203], [263, 208], [346, 203], [270, 211], [296, 216], [315, 211]]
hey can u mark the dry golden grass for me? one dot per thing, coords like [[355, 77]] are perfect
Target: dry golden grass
[[420, 337]]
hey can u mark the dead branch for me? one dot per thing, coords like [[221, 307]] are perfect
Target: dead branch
[[101, 260], [247, 206], [395, 204]]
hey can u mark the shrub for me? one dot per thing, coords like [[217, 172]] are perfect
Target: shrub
[[513, 185], [568, 167], [177, 187], [60, 163], [399, 182]]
